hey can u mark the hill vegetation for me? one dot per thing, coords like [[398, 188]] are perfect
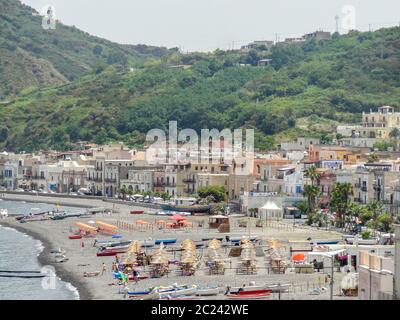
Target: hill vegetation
[[34, 57], [306, 90]]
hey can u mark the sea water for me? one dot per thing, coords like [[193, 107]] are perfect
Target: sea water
[[19, 251]]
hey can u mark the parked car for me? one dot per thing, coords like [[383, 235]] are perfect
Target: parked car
[[19, 190]]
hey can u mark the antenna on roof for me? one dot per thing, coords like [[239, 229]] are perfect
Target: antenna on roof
[[337, 23]]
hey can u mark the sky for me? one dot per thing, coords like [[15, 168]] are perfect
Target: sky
[[205, 25]]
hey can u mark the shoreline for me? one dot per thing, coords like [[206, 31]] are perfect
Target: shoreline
[[44, 259]]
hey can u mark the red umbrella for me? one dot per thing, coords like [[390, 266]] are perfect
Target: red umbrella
[[177, 217], [299, 257]]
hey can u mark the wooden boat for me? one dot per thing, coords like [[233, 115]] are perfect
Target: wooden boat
[[147, 243], [279, 287], [207, 291], [178, 292], [119, 244], [137, 212], [150, 296], [192, 209], [249, 296], [247, 290], [165, 241], [158, 290], [351, 240], [212, 238], [73, 237], [324, 242], [108, 252]]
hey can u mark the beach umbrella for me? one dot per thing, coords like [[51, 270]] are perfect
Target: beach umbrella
[[298, 257], [176, 217]]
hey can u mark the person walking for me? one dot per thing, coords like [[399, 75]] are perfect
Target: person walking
[[104, 269]]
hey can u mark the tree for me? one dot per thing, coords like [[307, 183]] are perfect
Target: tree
[[218, 193], [340, 201], [312, 174], [384, 222], [123, 191], [394, 133], [312, 193]]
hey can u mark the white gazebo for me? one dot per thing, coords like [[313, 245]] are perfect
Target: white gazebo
[[271, 210]]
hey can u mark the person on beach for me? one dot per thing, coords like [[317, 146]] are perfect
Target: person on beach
[[104, 269], [82, 244]]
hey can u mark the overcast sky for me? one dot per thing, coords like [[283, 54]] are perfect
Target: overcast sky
[[205, 25]]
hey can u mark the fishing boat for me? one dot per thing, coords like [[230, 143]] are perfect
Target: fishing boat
[[137, 212], [178, 292], [75, 237], [236, 240], [278, 287], [159, 289], [324, 242], [112, 251], [118, 244], [361, 241], [147, 243], [165, 241], [212, 238], [196, 208], [210, 291], [248, 296]]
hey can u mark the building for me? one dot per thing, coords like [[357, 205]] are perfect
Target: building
[[300, 144], [65, 176], [396, 289], [375, 276], [379, 124], [317, 36], [259, 44]]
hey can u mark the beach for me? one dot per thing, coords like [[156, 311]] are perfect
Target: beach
[[54, 235]]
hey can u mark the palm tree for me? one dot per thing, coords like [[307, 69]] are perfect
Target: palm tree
[[312, 193], [341, 200], [313, 174]]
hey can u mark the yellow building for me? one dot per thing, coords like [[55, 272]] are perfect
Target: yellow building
[[379, 124]]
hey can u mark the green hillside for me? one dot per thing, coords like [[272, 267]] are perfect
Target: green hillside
[[31, 56], [307, 90]]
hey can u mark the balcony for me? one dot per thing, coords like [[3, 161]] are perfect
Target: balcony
[[189, 180], [188, 191], [170, 185], [159, 184], [108, 180], [364, 188], [95, 179]]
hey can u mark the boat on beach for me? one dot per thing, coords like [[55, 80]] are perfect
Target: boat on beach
[[112, 251], [248, 296], [350, 239], [165, 241], [206, 292], [196, 208], [137, 212]]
